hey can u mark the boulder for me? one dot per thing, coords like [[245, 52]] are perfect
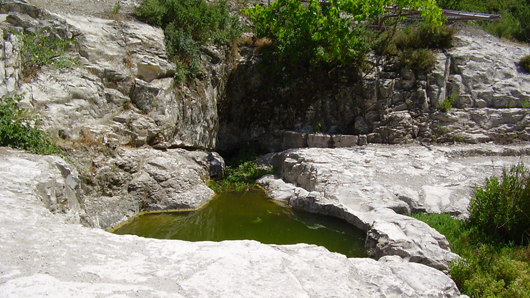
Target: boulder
[[319, 141], [119, 183]]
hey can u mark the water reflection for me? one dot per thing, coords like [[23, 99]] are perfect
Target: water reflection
[[250, 215]]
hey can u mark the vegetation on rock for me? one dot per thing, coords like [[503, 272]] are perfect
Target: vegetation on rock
[[413, 45], [447, 104], [515, 15], [45, 48], [187, 25], [494, 241], [19, 128], [241, 173]]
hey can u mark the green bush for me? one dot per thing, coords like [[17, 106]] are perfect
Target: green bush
[[525, 63], [421, 60], [241, 172], [507, 27], [447, 104], [334, 34], [187, 25], [240, 177], [502, 206], [424, 37], [488, 269], [413, 45], [18, 128], [493, 271]]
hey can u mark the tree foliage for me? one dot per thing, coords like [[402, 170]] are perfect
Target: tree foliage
[[333, 32]]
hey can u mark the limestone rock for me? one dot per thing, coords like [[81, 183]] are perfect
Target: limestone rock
[[340, 141], [293, 139], [319, 141], [373, 187], [120, 183], [44, 256], [125, 71]]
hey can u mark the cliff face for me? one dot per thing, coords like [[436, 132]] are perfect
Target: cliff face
[[124, 93], [121, 97], [491, 99]]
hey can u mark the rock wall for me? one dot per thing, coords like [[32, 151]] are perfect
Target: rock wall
[[491, 100], [119, 114], [124, 92]]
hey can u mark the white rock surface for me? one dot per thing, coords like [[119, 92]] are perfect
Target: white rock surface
[[118, 184], [371, 187], [43, 255]]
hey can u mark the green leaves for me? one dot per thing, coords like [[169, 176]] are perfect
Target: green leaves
[[187, 25], [311, 33], [18, 128], [502, 206]]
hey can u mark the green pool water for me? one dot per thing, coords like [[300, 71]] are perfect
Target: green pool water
[[250, 215]]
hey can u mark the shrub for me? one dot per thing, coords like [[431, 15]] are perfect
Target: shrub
[[335, 33], [420, 60], [424, 37], [493, 271], [241, 172], [45, 48], [240, 177], [502, 207], [507, 27], [525, 63], [187, 25], [413, 45], [488, 269], [447, 104], [18, 128]]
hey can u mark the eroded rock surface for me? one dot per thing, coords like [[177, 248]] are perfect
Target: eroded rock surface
[[118, 184], [373, 187], [44, 255], [124, 92]]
